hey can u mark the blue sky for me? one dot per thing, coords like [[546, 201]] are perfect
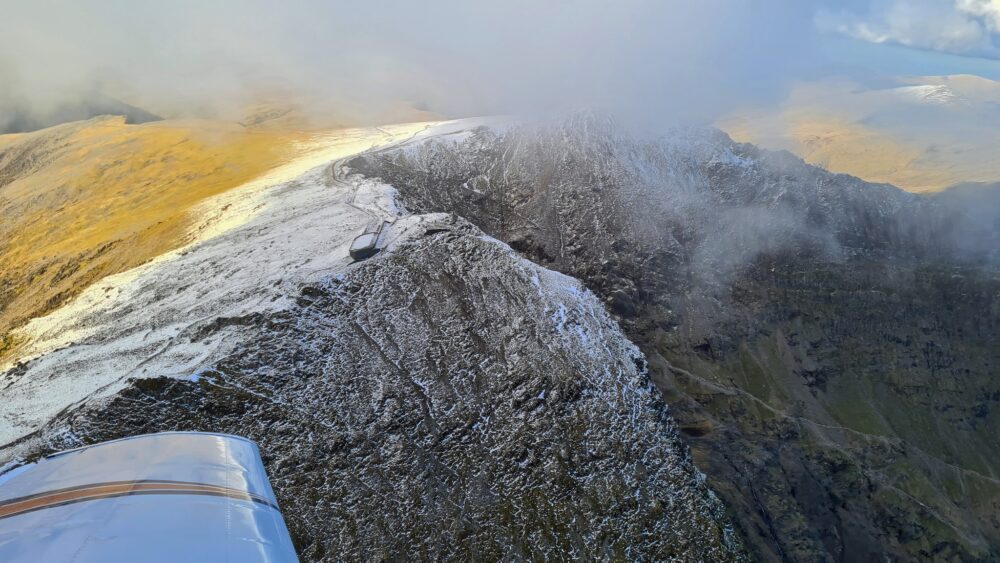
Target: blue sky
[[897, 60], [912, 37]]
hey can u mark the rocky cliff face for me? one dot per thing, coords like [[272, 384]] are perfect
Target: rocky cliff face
[[827, 345], [446, 399]]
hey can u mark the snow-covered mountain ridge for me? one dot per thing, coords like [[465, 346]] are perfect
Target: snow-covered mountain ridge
[[445, 399], [250, 247], [827, 345]]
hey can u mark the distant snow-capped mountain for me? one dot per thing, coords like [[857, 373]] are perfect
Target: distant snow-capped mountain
[[926, 134], [933, 94]]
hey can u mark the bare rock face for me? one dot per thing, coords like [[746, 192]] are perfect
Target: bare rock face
[[447, 400], [828, 346]]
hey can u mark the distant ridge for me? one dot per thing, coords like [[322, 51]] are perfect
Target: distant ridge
[[18, 118], [924, 134]]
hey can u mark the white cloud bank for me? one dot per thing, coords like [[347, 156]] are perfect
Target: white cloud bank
[[455, 57], [960, 27]]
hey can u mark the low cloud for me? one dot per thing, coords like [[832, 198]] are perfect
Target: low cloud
[[657, 57]]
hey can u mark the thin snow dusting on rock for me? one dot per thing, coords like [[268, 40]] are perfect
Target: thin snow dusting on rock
[[429, 403], [446, 399], [250, 247], [828, 346]]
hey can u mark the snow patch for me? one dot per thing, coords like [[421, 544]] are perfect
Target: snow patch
[[929, 94]]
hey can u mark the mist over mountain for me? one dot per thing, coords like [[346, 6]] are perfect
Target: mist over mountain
[[23, 118], [921, 133], [619, 281], [197, 59], [827, 345], [979, 202]]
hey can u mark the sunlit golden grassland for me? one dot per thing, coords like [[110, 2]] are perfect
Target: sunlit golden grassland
[[852, 148], [923, 134], [85, 200]]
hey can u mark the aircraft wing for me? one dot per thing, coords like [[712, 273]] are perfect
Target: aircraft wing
[[174, 496]]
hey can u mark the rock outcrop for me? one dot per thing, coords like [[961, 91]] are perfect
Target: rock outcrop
[[828, 346], [445, 400]]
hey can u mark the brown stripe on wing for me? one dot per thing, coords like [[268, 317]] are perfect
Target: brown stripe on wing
[[97, 491]]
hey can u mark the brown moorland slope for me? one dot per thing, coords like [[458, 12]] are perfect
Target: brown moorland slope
[[924, 134], [84, 200]]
